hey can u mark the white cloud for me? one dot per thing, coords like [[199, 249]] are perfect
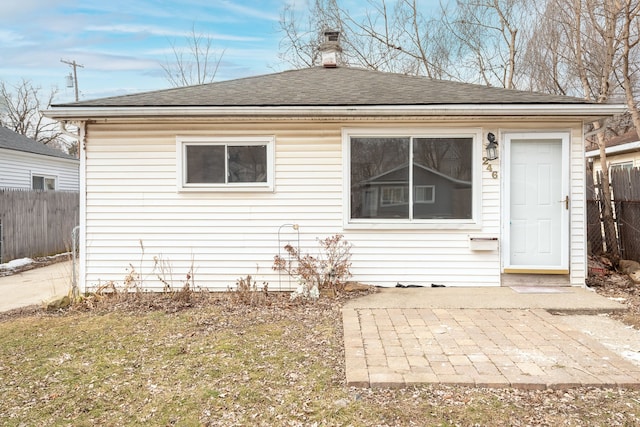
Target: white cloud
[[234, 38], [134, 29], [10, 9], [11, 39], [248, 11], [98, 61], [166, 32]]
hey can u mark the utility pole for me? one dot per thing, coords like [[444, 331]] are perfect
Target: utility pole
[[74, 65]]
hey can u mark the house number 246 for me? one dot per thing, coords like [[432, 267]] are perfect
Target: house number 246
[[494, 174]]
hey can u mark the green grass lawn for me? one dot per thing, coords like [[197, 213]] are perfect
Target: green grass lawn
[[219, 365]]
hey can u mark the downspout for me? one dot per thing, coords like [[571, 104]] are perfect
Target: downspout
[[78, 234], [82, 146]]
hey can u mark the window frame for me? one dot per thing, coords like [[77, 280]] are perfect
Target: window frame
[[182, 142], [621, 165], [393, 201], [44, 181], [433, 194], [475, 222]]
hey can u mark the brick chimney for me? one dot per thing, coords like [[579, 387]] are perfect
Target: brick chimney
[[330, 49]]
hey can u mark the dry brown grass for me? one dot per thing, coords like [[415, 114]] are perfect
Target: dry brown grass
[[214, 360]]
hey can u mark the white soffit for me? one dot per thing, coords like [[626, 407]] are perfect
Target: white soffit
[[592, 111]]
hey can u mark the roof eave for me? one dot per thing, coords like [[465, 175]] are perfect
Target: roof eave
[[40, 155], [628, 147], [594, 111]]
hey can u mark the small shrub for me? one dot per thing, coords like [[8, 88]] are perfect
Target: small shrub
[[164, 273], [247, 292], [329, 271]]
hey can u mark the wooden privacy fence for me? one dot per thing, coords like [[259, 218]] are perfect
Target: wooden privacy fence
[[625, 188], [36, 223]]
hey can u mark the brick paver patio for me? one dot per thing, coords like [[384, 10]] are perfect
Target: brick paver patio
[[532, 349]]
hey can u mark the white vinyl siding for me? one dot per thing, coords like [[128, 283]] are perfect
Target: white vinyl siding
[[131, 197], [17, 169], [134, 213], [577, 210]]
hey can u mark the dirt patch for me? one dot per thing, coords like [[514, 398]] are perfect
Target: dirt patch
[[618, 287]]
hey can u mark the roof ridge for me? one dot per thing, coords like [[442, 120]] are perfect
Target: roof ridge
[[320, 86]]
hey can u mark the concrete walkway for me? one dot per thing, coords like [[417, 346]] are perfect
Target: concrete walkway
[[485, 337], [34, 286]]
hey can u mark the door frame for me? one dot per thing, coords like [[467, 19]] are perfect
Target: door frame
[[563, 265]]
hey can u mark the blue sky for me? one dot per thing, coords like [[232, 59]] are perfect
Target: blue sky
[[122, 43]]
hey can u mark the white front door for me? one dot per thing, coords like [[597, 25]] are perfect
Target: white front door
[[536, 231]]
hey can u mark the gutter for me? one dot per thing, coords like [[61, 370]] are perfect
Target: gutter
[[31, 154], [616, 149], [594, 111]]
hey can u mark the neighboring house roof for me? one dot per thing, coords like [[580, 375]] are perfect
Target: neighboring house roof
[[379, 179], [630, 136], [625, 143], [326, 90], [11, 140]]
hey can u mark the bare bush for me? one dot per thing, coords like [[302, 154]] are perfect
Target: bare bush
[[247, 292], [329, 271]]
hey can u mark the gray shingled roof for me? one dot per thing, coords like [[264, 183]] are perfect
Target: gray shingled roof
[[327, 87], [11, 140]]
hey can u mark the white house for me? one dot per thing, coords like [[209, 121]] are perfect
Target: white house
[[217, 175], [29, 165], [623, 152]]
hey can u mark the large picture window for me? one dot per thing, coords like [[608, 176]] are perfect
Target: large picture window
[[411, 178], [226, 163]]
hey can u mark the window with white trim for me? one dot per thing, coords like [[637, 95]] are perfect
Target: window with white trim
[[43, 182], [621, 166], [225, 163], [424, 193], [441, 186], [392, 196]]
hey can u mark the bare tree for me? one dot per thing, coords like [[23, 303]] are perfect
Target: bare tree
[[548, 55], [475, 40], [489, 39], [389, 36], [630, 57], [406, 39], [198, 64], [596, 42], [20, 107], [301, 33]]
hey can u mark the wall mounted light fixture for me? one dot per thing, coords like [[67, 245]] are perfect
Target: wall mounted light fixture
[[492, 147]]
